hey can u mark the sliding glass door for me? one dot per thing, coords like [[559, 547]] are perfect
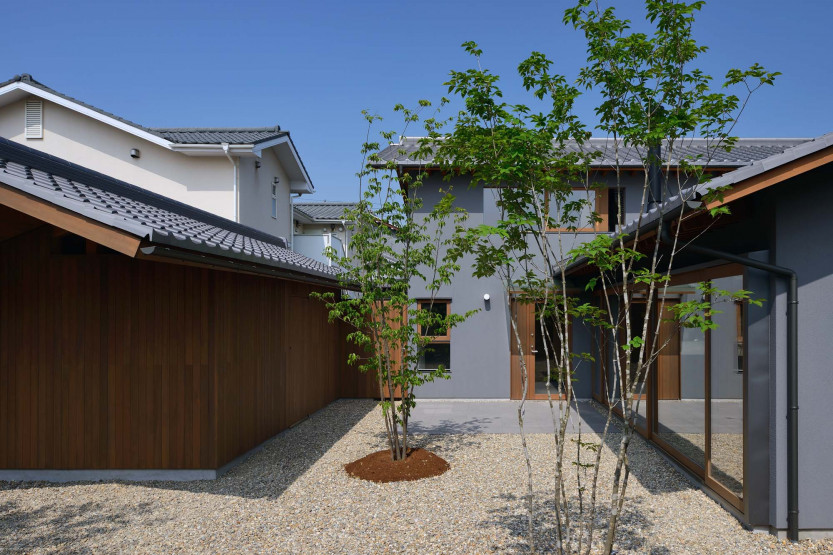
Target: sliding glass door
[[693, 404], [700, 386]]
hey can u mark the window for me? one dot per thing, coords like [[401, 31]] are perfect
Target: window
[[615, 206], [438, 351], [575, 210], [275, 201]]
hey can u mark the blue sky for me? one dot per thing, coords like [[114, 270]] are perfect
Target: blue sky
[[313, 66]]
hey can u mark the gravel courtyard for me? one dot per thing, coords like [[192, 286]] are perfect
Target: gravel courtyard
[[293, 496]]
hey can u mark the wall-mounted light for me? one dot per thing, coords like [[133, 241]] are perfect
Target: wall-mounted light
[[257, 164], [486, 297], [134, 153], [276, 180]]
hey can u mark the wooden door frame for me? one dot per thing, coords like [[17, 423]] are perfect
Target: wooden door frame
[[515, 381]]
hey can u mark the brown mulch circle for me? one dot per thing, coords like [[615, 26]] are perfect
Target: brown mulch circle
[[378, 467]]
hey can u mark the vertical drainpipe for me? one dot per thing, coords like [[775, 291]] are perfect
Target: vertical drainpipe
[[235, 182], [346, 242], [292, 220], [655, 177]]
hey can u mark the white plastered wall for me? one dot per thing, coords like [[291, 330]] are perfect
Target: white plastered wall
[[256, 195], [203, 182]]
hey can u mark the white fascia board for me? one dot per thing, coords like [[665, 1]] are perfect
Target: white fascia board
[[212, 150], [85, 111], [295, 185], [300, 187]]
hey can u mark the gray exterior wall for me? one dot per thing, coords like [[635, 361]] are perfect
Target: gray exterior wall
[[480, 346], [792, 222], [802, 230]]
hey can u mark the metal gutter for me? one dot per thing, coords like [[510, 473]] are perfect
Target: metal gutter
[[235, 181]]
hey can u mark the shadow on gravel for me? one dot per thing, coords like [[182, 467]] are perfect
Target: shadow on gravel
[[631, 535], [61, 527], [268, 472], [448, 426]]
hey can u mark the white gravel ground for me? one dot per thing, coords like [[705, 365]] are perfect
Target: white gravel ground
[[294, 497]]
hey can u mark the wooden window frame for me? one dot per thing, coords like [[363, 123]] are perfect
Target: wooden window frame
[[436, 339], [600, 210], [446, 338]]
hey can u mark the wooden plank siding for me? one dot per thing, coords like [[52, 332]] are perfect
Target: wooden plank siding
[[110, 362]]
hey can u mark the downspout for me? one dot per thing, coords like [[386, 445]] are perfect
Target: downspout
[[292, 220], [346, 242], [235, 181], [792, 342]]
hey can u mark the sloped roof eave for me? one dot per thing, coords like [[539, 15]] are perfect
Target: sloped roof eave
[[146, 215]]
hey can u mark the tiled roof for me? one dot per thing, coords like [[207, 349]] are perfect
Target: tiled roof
[[209, 135], [672, 205], [323, 210], [154, 217], [185, 135], [785, 156], [702, 151]]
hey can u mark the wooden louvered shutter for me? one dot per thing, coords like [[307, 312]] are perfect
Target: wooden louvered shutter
[[34, 119]]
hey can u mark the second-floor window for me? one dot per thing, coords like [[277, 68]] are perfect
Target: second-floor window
[[275, 201], [574, 211]]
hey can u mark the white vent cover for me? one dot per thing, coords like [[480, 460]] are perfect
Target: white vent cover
[[34, 119]]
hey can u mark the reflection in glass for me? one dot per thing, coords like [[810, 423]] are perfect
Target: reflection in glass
[[638, 315], [726, 358], [681, 416], [540, 353]]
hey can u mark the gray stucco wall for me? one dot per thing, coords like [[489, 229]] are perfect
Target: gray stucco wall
[[480, 362], [803, 228]]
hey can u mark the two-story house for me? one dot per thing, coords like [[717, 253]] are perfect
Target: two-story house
[[242, 174], [319, 225], [724, 404]]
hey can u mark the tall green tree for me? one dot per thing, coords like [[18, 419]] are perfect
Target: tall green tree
[[650, 92], [395, 247]]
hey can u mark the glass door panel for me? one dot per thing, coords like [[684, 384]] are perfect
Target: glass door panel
[[633, 373], [726, 386], [547, 348], [681, 417]]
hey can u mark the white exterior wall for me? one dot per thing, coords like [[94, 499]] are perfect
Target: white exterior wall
[[205, 182], [256, 195], [321, 229]]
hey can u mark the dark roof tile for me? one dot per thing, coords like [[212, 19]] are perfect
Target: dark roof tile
[[155, 217], [218, 135], [324, 210], [702, 151]]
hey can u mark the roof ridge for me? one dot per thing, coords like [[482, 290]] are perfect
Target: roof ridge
[[276, 128], [27, 78], [158, 131], [324, 202]]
